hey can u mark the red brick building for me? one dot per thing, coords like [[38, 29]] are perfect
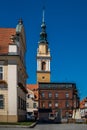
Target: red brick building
[[58, 99]]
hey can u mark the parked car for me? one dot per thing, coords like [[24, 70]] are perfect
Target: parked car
[[30, 116]]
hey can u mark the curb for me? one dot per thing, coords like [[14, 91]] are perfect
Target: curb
[[33, 125], [18, 126]]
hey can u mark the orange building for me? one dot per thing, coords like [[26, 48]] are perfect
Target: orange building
[[32, 100], [83, 108]]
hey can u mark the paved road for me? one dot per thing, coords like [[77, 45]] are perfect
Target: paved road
[[61, 127], [53, 127]]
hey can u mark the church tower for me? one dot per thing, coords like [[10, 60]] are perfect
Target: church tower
[[43, 55]]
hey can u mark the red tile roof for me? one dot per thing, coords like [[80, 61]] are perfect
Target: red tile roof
[[34, 88], [82, 103], [5, 39]]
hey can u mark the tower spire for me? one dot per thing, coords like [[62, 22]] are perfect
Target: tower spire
[[43, 34]]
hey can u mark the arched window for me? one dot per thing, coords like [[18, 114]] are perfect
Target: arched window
[[43, 66]]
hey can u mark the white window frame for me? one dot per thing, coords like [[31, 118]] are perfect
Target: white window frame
[[67, 95], [56, 104], [49, 104], [56, 95], [43, 95], [50, 95]]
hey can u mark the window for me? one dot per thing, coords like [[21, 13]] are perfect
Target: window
[[67, 95], [50, 95], [67, 114], [24, 105], [43, 66], [21, 103], [86, 104], [42, 94], [27, 105], [1, 72], [1, 101], [49, 104], [56, 104], [74, 104], [18, 102], [32, 96], [43, 105], [67, 104], [28, 96], [56, 95], [34, 105]]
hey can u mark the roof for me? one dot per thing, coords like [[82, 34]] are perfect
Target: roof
[[53, 85], [5, 39], [82, 103], [34, 88], [65, 83]]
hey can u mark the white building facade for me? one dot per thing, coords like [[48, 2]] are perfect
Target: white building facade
[[12, 74]]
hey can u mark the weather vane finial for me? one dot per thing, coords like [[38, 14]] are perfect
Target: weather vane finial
[[43, 14]]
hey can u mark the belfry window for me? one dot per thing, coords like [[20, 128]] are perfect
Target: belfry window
[[43, 66]]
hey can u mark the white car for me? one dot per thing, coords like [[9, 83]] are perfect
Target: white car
[[30, 117]]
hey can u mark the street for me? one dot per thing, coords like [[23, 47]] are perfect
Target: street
[[53, 127]]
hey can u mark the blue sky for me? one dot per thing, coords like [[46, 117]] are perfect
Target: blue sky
[[66, 22]]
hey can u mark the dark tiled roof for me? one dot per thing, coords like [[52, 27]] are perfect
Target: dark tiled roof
[[56, 85]]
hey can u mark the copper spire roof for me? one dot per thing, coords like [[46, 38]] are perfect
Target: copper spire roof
[[43, 34]]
